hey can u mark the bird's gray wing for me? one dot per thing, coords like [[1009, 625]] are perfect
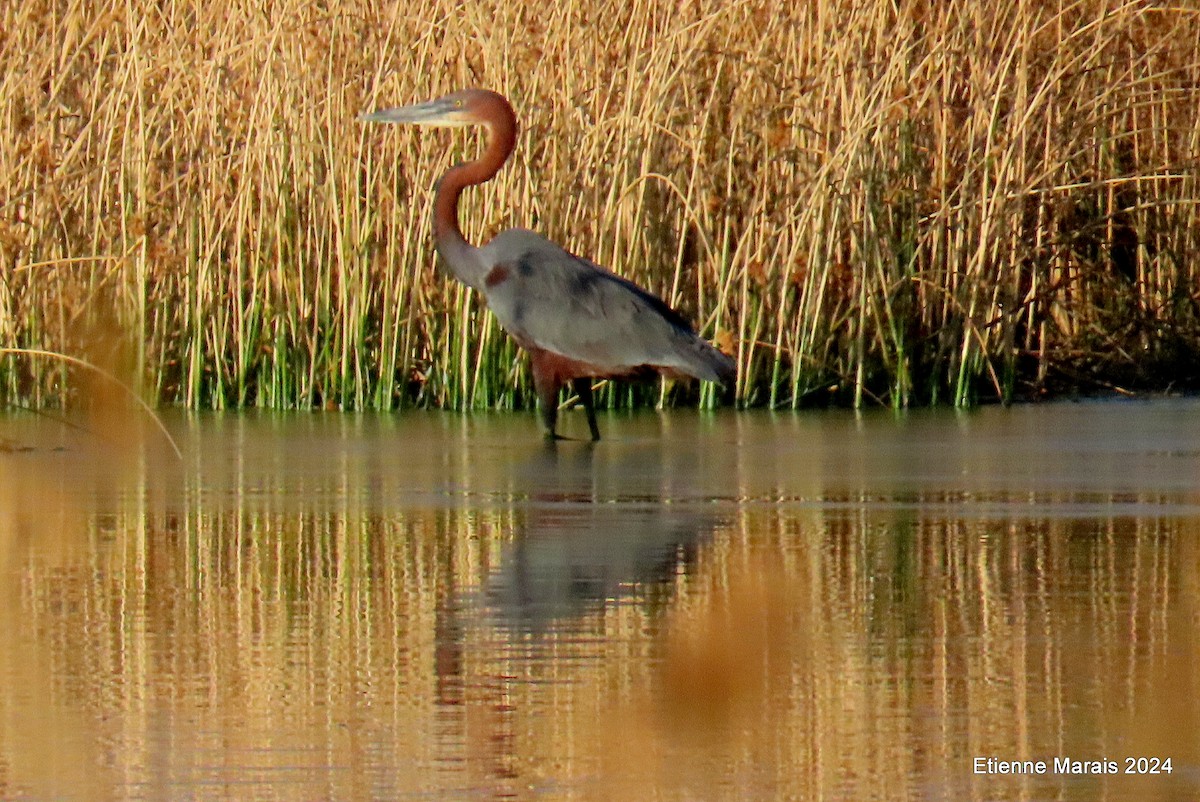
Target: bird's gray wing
[[549, 298]]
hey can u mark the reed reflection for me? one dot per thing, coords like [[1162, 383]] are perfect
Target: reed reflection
[[373, 608]]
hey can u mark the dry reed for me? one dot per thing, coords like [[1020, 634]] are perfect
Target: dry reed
[[863, 201]]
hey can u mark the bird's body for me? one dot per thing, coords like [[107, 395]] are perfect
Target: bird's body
[[577, 320], [603, 320]]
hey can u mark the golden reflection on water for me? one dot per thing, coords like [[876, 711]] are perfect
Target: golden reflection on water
[[317, 609]]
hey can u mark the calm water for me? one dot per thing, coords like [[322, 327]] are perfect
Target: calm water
[[741, 606]]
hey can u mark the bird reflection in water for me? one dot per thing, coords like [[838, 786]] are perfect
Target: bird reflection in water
[[580, 542]]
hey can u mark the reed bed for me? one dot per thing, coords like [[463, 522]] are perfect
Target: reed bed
[[866, 202]]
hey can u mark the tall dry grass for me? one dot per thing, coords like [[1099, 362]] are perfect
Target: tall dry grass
[[864, 201]]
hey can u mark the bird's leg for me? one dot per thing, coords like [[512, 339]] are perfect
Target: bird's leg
[[549, 414], [546, 388], [583, 389]]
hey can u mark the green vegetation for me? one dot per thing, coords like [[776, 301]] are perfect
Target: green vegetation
[[865, 202]]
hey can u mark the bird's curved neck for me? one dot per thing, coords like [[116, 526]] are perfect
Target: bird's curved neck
[[502, 138]]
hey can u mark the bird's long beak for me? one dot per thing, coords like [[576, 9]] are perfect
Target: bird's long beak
[[445, 111]]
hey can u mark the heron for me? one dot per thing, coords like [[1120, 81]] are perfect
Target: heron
[[576, 320]]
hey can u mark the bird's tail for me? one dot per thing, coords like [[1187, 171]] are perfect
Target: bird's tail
[[705, 362]]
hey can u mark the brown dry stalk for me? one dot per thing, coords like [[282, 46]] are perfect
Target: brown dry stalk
[[861, 201]]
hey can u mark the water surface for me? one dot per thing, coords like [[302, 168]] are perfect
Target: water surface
[[731, 606]]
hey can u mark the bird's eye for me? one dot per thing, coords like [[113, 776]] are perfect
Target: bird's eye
[[458, 104]]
